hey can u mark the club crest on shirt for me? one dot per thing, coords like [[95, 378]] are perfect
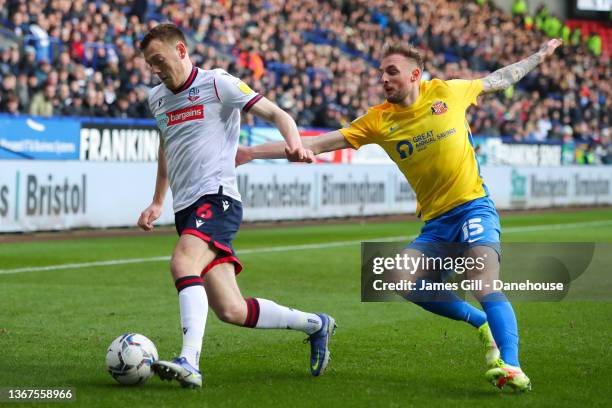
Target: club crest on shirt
[[438, 108], [193, 94]]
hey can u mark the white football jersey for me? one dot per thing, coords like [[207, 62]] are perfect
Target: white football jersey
[[200, 127]]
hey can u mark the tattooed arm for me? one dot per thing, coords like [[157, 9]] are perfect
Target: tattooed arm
[[506, 76]]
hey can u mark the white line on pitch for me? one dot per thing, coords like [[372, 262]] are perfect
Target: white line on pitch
[[334, 244], [554, 227]]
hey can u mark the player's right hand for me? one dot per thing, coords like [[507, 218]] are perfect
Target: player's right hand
[[150, 214], [299, 154]]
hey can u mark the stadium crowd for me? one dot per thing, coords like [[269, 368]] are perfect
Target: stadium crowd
[[316, 59]]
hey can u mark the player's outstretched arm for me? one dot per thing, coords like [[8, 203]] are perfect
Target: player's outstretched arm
[[327, 142], [153, 211], [270, 112], [504, 77]]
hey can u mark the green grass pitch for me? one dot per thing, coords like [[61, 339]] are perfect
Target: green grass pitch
[[55, 326]]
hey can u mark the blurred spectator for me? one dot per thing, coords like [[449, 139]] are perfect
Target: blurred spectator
[[75, 108], [12, 105], [9, 84], [43, 102], [121, 108], [604, 150], [23, 89], [5, 61], [488, 129]]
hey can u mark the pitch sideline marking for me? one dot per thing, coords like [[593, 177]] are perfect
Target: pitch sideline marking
[[509, 230]]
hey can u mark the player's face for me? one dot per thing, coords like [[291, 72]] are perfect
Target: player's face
[[398, 75], [166, 62]]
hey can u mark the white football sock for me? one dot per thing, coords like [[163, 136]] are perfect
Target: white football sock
[[194, 309], [274, 316]]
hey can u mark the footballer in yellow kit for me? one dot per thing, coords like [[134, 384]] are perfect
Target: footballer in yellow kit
[[422, 126], [430, 142]]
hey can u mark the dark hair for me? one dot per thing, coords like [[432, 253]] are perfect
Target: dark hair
[[167, 32], [405, 49]]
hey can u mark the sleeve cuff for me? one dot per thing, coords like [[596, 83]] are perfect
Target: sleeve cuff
[[351, 142], [252, 102]]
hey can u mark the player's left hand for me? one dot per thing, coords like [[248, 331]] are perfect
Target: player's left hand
[[548, 48], [299, 154]]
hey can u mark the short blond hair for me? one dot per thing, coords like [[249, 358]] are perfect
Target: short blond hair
[[405, 49]]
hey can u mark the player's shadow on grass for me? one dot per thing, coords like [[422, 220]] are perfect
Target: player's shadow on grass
[[148, 385], [152, 386], [434, 389], [474, 388], [223, 376]]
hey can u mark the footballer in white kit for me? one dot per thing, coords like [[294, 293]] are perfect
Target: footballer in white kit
[[200, 126], [198, 114]]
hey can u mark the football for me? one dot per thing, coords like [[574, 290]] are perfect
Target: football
[[129, 359]]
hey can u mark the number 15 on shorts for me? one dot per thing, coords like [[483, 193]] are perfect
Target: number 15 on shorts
[[472, 230]]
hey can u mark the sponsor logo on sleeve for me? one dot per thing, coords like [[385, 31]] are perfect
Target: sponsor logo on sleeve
[[244, 88]]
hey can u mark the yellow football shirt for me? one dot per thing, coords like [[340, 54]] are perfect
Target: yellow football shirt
[[430, 141]]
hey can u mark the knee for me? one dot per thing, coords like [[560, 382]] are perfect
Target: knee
[[178, 267], [234, 313]]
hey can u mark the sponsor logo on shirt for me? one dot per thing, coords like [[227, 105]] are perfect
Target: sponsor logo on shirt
[[438, 108], [185, 115], [193, 94], [179, 116], [404, 148]]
